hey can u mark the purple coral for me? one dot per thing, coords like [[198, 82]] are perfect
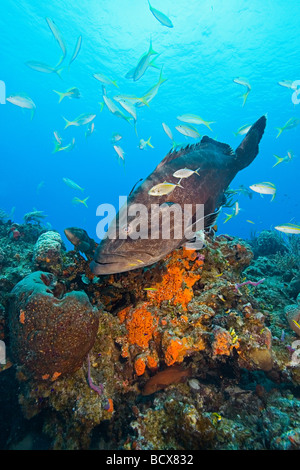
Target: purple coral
[[251, 283], [98, 388]]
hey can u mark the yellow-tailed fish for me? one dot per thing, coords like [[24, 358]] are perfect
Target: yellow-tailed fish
[[119, 151], [23, 101], [161, 17], [90, 129], [162, 189], [67, 148], [41, 67], [130, 108], [80, 120], [56, 33], [115, 137], [167, 130], [143, 63], [132, 98], [129, 75], [289, 228], [288, 84], [228, 217], [57, 137], [243, 82], [264, 188], [250, 222], [152, 92], [143, 144], [188, 131], [76, 50], [193, 119], [243, 130], [290, 124], [113, 108], [70, 93], [76, 200], [104, 79], [72, 184], [39, 186], [287, 158]]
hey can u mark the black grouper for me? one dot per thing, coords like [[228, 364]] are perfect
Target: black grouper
[[216, 164]]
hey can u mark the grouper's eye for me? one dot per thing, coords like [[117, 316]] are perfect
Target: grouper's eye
[[127, 229]]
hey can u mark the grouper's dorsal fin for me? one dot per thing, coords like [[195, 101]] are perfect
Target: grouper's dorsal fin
[[174, 153], [227, 150]]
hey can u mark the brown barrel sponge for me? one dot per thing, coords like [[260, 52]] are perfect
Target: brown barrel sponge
[[50, 336]]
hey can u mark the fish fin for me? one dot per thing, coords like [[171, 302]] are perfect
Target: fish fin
[[148, 142], [135, 186], [60, 94], [115, 83], [245, 96], [58, 72], [248, 148], [280, 129], [84, 201], [227, 150], [32, 113], [151, 50], [209, 221], [279, 160], [144, 101], [69, 123]]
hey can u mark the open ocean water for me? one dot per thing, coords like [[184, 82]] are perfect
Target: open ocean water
[[227, 62], [211, 43]]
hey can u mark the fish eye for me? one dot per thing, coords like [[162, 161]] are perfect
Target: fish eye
[[126, 229]]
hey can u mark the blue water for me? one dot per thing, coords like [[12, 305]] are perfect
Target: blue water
[[211, 43]]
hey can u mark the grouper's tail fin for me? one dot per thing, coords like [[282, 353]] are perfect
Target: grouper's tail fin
[[248, 149]]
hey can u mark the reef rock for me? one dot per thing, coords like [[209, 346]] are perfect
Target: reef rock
[[47, 252], [50, 336], [293, 315]]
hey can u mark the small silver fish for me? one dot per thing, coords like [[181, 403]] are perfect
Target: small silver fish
[[185, 173]]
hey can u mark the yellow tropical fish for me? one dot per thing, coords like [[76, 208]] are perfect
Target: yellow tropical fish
[[162, 189], [76, 200]]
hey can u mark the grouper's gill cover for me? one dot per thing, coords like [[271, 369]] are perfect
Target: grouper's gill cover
[[217, 165]]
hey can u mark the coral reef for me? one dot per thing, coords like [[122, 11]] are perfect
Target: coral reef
[[198, 351]]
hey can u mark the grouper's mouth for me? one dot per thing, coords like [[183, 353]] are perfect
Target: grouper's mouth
[[121, 262]]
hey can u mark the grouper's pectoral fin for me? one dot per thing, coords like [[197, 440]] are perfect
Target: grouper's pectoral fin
[[196, 240], [248, 149]]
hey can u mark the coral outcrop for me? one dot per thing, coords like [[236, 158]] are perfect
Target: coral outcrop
[[47, 252]]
